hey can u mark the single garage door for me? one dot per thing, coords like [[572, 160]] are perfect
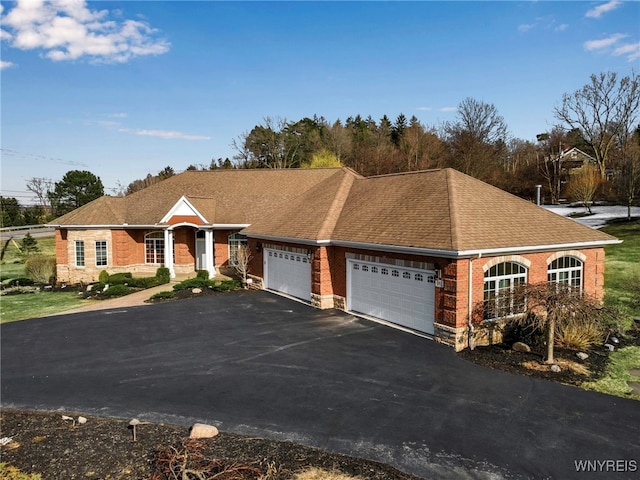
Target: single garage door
[[405, 296], [288, 273]]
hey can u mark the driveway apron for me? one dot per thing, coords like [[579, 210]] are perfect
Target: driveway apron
[[258, 364]]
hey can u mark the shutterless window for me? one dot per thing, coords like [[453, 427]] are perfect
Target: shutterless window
[[566, 271], [101, 253], [154, 248], [499, 284], [79, 253], [237, 240]]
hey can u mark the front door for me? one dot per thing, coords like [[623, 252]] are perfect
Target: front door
[[200, 250]]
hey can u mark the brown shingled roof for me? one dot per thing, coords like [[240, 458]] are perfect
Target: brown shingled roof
[[436, 210], [236, 197]]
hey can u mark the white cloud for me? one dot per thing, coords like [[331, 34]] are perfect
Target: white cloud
[[4, 64], [561, 27], [70, 30], [604, 42], [600, 10], [525, 27], [448, 109], [632, 50], [166, 134], [424, 109]]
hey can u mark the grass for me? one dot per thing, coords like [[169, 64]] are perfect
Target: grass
[[622, 268], [31, 305], [616, 378], [38, 304]]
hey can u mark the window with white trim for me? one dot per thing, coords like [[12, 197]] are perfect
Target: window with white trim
[[566, 271], [154, 248], [79, 248], [236, 240], [499, 284], [101, 253]]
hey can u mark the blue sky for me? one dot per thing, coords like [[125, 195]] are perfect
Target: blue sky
[[123, 89]]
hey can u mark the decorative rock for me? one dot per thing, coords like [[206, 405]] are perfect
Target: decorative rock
[[66, 417], [582, 355], [196, 290], [520, 347], [555, 369], [609, 346], [615, 340], [82, 420], [202, 430]]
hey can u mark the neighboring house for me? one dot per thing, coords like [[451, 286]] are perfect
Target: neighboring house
[[574, 158], [420, 250]]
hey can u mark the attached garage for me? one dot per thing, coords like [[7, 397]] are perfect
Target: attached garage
[[288, 272], [400, 295]]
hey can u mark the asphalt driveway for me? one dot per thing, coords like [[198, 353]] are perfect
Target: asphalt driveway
[[259, 364]]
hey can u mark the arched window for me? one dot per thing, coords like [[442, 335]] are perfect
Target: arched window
[[566, 271], [236, 240], [499, 283], [154, 248]]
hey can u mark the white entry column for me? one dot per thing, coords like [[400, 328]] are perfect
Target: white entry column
[[209, 253], [168, 252]]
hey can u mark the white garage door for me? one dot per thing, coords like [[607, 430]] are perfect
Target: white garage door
[[288, 273], [400, 295]]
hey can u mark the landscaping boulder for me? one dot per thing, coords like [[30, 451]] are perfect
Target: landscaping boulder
[[582, 355], [202, 430], [556, 368], [196, 290], [521, 347]]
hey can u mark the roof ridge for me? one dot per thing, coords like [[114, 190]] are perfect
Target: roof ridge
[[414, 172], [337, 205]]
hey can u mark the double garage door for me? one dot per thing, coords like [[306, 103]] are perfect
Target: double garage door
[[400, 295], [405, 296], [288, 272]]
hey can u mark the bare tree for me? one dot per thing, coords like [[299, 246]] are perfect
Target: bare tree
[[242, 258], [41, 187], [583, 185], [604, 110]]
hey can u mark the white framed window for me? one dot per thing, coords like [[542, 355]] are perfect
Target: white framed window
[[101, 253], [154, 248], [499, 283], [236, 240], [79, 248], [566, 271]]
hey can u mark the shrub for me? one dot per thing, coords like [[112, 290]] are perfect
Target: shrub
[[202, 274], [103, 277], [120, 278], [163, 274], [226, 285], [40, 268], [117, 291], [21, 282], [96, 287], [28, 245], [144, 282], [576, 334], [163, 295], [192, 283]]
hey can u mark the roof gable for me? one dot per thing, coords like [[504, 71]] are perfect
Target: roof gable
[[182, 210]]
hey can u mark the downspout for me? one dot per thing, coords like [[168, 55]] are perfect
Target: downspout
[[471, 330]]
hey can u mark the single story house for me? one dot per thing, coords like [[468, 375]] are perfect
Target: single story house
[[419, 250]]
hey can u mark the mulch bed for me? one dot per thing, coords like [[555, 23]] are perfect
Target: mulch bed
[[103, 448], [502, 357]]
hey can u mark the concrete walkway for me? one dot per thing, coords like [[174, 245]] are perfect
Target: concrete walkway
[[136, 299]]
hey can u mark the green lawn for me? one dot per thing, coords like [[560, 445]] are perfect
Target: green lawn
[[616, 378], [39, 304], [622, 268]]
